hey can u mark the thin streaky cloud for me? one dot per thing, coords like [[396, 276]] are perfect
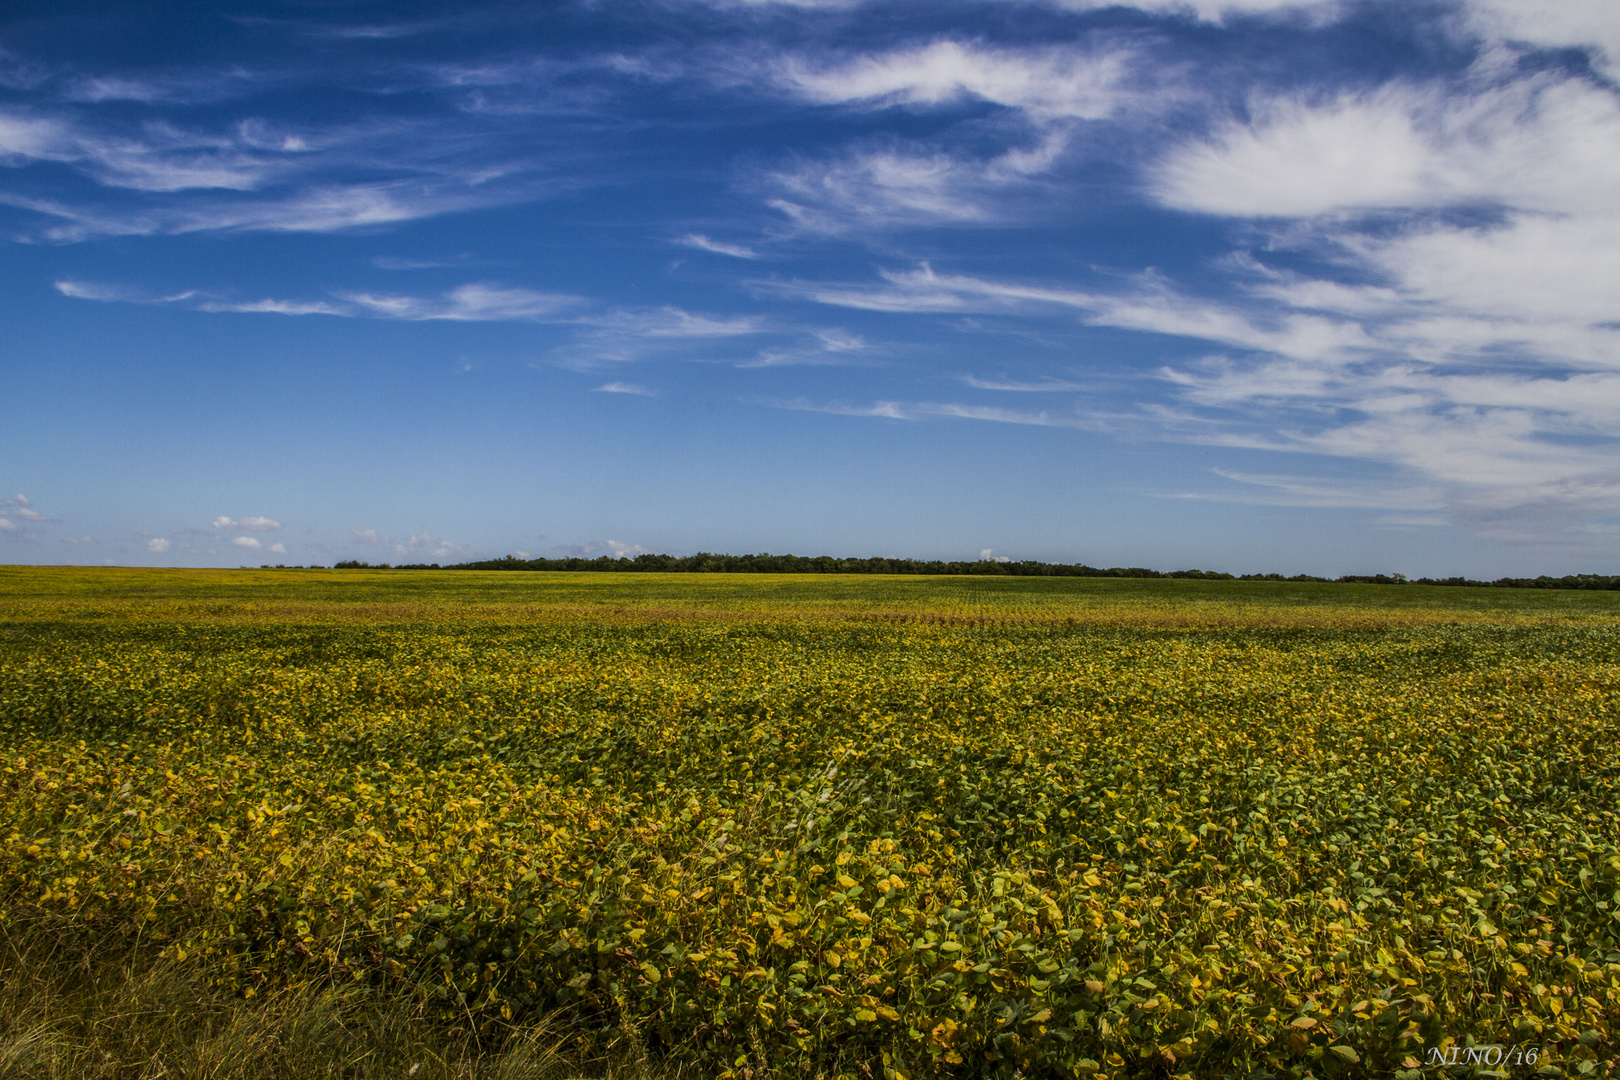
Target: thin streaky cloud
[[825, 347], [626, 388], [1284, 490], [1041, 386], [477, 302], [672, 322], [1064, 83], [270, 307], [390, 262], [705, 243], [930, 410]]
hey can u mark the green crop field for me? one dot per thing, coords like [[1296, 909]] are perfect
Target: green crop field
[[810, 826]]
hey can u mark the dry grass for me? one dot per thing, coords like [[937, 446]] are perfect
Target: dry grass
[[78, 1009]]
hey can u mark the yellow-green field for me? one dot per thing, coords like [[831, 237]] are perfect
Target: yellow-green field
[[797, 826]]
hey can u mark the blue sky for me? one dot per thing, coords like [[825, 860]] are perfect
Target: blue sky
[[1251, 285]]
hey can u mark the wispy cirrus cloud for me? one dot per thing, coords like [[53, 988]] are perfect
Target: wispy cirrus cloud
[[932, 410], [1016, 386], [152, 173], [318, 208], [631, 335], [674, 322], [1274, 489], [718, 247], [1048, 83], [467, 303], [476, 302], [1507, 446], [885, 189], [818, 348]]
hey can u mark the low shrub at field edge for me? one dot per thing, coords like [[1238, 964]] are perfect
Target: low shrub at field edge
[[1069, 851]]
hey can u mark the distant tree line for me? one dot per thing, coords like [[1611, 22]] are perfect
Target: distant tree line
[[708, 563]]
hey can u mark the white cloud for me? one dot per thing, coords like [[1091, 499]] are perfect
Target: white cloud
[[1541, 144], [85, 290], [989, 555], [1046, 83], [1214, 10], [825, 347], [704, 243], [1049, 93], [1397, 381], [246, 524], [1477, 357], [1206, 10], [1153, 307], [159, 159], [673, 322], [390, 262], [158, 545], [23, 137], [1040, 386], [1481, 357], [1281, 490], [425, 544], [613, 549], [6, 525], [20, 506], [627, 336], [249, 173], [186, 87], [897, 185], [933, 410], [421, 544], [326, 206], [479, 302], [247, 542], [278, 549], [269, 307], [625, 388], [1567, 23], [883, 188]]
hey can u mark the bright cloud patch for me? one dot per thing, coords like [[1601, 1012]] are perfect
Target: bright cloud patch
[[253, 524], [1069, 84]]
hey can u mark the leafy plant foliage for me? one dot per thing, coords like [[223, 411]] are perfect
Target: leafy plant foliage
[[951, 842]]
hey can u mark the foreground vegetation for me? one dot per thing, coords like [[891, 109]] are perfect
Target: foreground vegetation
[[899, 827]]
